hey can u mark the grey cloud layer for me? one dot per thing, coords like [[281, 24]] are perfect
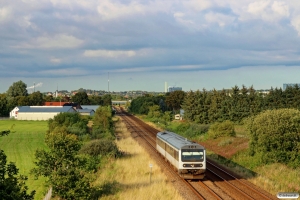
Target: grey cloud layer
[[54, 38]]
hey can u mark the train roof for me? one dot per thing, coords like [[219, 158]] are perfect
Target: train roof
[[175, 140]]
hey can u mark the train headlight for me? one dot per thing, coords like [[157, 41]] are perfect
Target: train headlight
[[192, 165]]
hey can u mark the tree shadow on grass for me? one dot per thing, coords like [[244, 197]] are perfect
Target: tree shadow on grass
[[107, 188], [125, 155], [113, 187]]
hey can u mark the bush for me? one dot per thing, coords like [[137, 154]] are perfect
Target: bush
[[91, 163], [220, 129], [67, 119], [104, 147], [98, 133], [195, 130], [275, 134], [77, 130], [182, 128]]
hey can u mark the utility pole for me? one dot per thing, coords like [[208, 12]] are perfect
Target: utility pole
[[108, 83]]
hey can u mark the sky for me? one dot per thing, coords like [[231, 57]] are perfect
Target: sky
[[140, 44]]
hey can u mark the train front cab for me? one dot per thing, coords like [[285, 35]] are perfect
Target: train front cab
[[192, 162]]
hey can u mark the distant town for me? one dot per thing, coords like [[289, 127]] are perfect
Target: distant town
[[126, 95], [122, 94]]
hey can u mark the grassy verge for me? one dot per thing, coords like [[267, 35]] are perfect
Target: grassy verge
[[130, 175], [20, 145]]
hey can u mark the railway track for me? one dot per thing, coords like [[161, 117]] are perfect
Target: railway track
[[219, 182]]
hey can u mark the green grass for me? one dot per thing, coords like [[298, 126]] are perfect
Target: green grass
[[20, 146]]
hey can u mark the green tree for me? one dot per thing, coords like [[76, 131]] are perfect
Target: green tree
[[215, 107], [104, 147], [189, 105], [12, 186], [221, 129], [36, 99], [3, 105], [234, 104], [175, 99], [275, 136], [107, 100], [167, 117], [17, 89], [154, 112], [81, 98], [96, 100], [22, 100], [12, 102], [48, 98], [141, 104], [69, 121], [103, 118], [62, 166]]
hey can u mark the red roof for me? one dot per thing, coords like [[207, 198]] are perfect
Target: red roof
[[54, 103]]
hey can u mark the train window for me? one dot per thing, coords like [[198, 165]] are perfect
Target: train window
[[170, 150], [176, 155], [160, 143], [192, 155]]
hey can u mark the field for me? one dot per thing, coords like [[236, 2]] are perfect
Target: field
[[20, 145], [130, 176]]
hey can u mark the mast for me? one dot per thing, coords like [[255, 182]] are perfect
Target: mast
[[108, 83]]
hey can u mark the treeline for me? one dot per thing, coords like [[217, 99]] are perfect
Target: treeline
[[75, 152], [272, 119], [17, 95], [236, 104], [206, 107]]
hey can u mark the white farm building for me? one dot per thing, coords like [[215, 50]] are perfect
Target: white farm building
[[41, 112], [14, 112]]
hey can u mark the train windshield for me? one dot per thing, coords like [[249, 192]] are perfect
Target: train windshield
[[192, 155]]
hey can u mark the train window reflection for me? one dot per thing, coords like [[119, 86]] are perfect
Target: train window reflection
[[191, 155]]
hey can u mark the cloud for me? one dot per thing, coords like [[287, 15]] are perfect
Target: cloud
[[108, 53], [296, 23], [62, 72], [258, 7], [4, 14], [179, 16], [38, 37], [60, 41], [199, 5], [268, 10], [110, 10], [281, 8], [160, 68], [220, 19], [55, 60]]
